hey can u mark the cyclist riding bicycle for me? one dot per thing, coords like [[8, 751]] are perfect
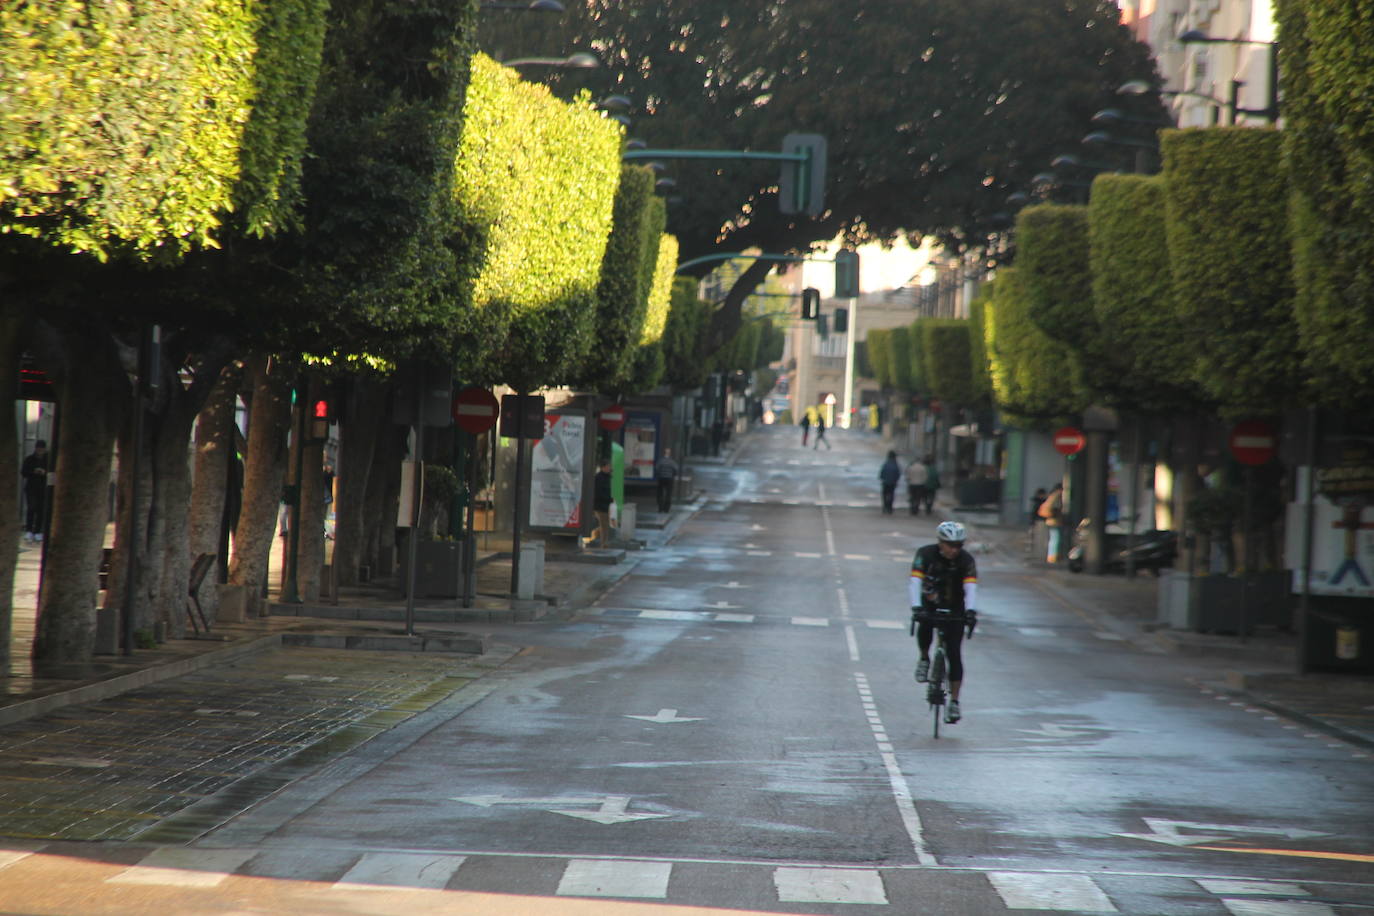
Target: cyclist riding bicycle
[[944, 577]]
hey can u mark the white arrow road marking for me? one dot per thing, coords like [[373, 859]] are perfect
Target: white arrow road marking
[[1167, 832], [611, 808], [664, 716]]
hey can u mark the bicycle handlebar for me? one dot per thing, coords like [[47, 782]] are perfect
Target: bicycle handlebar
[[968, 618]]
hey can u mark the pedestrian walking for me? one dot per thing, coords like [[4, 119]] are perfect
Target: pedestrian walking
[[34, 470], [889, 474], [1037, 498], [1052, 511], [665, 472], [932, 484], [601, 503], [916, 476], [820, 431], [805, 424]]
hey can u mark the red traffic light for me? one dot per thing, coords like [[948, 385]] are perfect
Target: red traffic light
[[321, 410]]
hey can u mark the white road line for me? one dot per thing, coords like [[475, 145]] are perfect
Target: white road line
[[734, 618], [807, 556], [759, 553], [1035, 631], [1225, 888], [901, 792], [176, 867], [671, 615], [853, 643], [829, 885], [886, 625], [844, 602], [1077, 893], [1242, 907], [602, 878], [829, 538], [857, 556], [811, 621], [390, 870]]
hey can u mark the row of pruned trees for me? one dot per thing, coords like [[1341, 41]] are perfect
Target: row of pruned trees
[[302, 197]]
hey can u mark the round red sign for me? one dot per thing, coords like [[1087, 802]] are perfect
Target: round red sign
[[612, 418], [1253, 442], [475, 410], [1068, 440]]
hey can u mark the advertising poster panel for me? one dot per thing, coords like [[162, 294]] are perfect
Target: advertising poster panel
[[556, 463], [641, 445], [1342, 528]]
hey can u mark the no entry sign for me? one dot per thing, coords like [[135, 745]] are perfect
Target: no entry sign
[[612, 418], [474, 410], [1253, 442], [1068, 440]]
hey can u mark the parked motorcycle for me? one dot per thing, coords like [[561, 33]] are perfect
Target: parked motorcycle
[[1153, 550]]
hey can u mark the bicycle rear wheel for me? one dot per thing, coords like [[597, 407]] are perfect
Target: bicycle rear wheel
[[937, 687]]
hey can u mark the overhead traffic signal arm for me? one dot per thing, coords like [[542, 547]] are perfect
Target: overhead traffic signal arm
[[801, 188]]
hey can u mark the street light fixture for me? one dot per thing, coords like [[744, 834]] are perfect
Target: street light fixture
[[1270, 111], [1141, 87], [579, 61]]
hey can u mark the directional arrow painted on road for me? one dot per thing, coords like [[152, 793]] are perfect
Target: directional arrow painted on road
[[1168, 832], [611, 809], [664, 716]]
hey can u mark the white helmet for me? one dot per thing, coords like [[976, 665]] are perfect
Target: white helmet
[[950, 532]]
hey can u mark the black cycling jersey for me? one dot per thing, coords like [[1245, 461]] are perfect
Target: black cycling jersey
[[942, 581]]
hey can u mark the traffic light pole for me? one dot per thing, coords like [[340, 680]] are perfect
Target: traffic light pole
[[851, 334], [802, 188]]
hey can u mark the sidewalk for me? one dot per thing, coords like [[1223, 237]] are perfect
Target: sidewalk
[[1260, 669]]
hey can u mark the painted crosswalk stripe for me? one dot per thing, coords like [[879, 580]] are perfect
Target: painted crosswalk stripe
[[1239, 906], [886, 625], [176, 867], [602, 878], [811, 621], [671, 615], [734, 618], [1231, 888], [857, 556], [760, 553], [829, 885], [1077, 893], [806, 556], [390, 870]]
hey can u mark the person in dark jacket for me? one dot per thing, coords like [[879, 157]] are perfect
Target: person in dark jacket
[[35, 473], [889, 474]]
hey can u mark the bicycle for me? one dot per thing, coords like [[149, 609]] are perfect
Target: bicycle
[[937, 687]]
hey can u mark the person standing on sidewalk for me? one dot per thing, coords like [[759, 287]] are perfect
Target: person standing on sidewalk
[[35, 473], [932, 484], [1052, 511], [805, 424], [665, 472], [889, 474], [601, 503], [916, 476]]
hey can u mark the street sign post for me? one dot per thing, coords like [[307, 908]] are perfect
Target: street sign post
[[1253, 442], [611, 418], [475, 410], [1069, 440]]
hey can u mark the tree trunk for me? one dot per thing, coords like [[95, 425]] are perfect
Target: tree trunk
[[11, 320], [94, 395], [726, 320], [310, 547], [383, 496], [264, 473], [214, 448], [361, 426]]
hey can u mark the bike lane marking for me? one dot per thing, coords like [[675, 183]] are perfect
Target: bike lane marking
[[901, 792]]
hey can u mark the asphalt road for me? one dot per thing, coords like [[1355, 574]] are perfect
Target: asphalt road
[[735, 726]]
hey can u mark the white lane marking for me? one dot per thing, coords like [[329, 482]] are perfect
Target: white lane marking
[[829, 885], [886, 625], [390, 870], [844, 602], [1035, 631], [1224, 888], [710, 550], [829, 537], [176, 867], [853, 643], [1243, 907], [901, 792], [670, 615], [857, 556], [807, 556], [811, 621], [733, 618], [759, 553], [9, 857], [1021, 891], [603, 878]]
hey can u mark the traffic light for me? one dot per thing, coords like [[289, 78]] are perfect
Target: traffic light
[[321, 413], [811, 303], [801, 188], [841, 321], [846, 275]]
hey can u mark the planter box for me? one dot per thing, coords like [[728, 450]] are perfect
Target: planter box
[[438, 569], [1224, 604]]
